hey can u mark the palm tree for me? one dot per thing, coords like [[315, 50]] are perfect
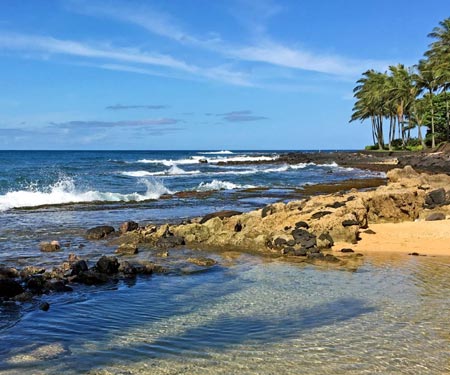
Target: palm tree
[[426, 80], [439, 60]]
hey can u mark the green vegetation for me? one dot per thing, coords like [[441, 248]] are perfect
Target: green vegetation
[[408, 98]]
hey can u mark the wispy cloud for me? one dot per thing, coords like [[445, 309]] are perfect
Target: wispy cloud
[[241, 116], [254, 14], [113, 54], [116, 124], [117, 107]]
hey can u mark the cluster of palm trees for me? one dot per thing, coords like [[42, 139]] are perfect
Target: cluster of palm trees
[[407, 97]]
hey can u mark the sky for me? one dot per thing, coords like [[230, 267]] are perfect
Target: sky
[[197, 74]]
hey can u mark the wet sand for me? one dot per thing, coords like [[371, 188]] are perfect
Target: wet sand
[[423, 237]]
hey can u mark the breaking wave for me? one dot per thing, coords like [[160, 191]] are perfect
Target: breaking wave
[[221, 185], [213, 160], [64, 191], [223, 152]]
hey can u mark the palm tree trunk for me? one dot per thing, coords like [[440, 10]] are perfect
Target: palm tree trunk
[[433, 141]]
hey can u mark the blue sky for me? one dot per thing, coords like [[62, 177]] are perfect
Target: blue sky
[[197, 74]]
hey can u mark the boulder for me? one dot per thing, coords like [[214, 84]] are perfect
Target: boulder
[[435, 216], [349, 223], [127, 269], [49, 247], [23, 297], [107, 265], [335, 205], [320, 214], [99, 232], [347, 250], [44, 306], [128, 226], [57, 286], [170, 242], [301, 224], [202, 261], [78, 266], [8, 273], [266, 211], [10, 288], [91, 277], [36, 284], [30, 270], [127, 249], [304, 238], [436, 198], [220, 215], [325, 241]]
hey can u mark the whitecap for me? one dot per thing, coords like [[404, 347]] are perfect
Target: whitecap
[[221, 185]]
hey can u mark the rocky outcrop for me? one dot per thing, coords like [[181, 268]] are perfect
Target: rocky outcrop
[[99, 232], [308, 226]]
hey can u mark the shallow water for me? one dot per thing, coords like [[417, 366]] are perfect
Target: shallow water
[[247, 315]]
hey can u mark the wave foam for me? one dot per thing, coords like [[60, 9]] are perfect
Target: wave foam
[[65, 191], [221, 185], [223, 152], [213, 160]]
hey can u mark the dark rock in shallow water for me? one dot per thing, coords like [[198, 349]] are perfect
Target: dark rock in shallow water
[[57, 286], [91, 277], [36, 284], [436, 197], [127, 249], [8, 273], [320, 214], [414, 254], [30, 270], [435, 216], [331, 258], [24, 297], [219, 214], [78, 266], [127, 269], [107, 265], [10, 288], [128, 226], [170, 242], [99, 232], [49, 247], [44, 306], [349, 223]]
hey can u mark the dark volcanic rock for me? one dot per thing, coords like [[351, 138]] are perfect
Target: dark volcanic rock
[[78, 266], [331, 258], [128, 226], [369, 231], [44, 306], [238, 227], [325, 241], [336, 205], [99, 232], [202, 261], [57, 286], [10, 288], [349, 223], [302, 252], [304, 238], [91, 277], [279, 242], [435, 216], [347, 250], [36, 283], [127, 269], [301, 224], [320, 214], [266, 211], [315, 256], [219, 214], [107, 265], [436, 198]]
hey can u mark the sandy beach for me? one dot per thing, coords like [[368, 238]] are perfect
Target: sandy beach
[[423, 237]]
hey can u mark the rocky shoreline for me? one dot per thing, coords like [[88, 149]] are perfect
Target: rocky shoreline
[[302, 230]]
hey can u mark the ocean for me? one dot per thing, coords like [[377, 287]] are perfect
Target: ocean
[[246, 315]]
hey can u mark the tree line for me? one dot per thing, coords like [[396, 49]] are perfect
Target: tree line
[[409, 97]]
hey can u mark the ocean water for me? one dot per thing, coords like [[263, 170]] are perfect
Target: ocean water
[[387, 314]]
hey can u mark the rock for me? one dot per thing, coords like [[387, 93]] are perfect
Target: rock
[[203, 161], [91, 277], [36, 284], [291, 243], [302, 252], [49, 247], [331, 258], [289, 250], [347, 250], [24, 297], [58, 286], [266, 211], [220, 215], [163, 254], [10, 288], [304, 238], [8, 273], [279, 242], [170, 242], [315, 256], [202, 261], [128, 226], [44, 306], [127, 249], [320, 214], [325, 241], [435, 216], [398, 174], [335, 205], [127, 269], [349, 223], [301, 224], [78, 266], [107, 265], [238, 227], [99, 232], [369, 231], [414, 254], [436, 198], [30, 270]]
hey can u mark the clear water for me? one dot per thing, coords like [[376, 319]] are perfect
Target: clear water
[[247, 315]]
